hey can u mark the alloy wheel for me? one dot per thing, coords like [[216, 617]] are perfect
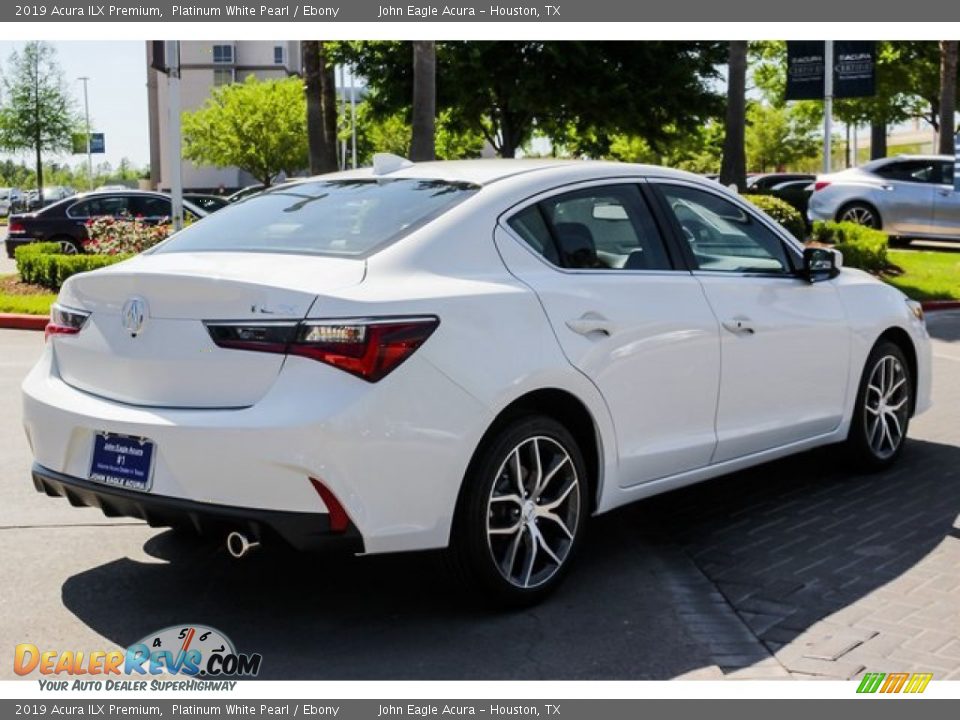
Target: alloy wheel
[[67, 247], [533, 512], [859, 214], [886, 406]]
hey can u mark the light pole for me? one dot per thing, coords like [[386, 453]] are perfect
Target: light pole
[[86, 112]]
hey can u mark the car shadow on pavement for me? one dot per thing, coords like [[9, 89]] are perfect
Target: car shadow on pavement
[[721, 573], [946, 327]]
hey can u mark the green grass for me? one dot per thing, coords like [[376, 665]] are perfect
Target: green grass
[[33, 304], [27, 304], [926, 275]]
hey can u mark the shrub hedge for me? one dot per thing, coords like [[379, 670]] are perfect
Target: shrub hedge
[[862, 247], [783, 212], [44, 264]]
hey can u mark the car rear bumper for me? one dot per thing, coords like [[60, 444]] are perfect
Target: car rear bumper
[[301, 530], [12, 243], [390, 454]]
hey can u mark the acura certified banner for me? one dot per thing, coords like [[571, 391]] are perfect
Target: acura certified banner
[[854, 69]]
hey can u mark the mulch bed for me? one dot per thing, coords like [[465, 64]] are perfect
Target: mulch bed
[[11, 285]]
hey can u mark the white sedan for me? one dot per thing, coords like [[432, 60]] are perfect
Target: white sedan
[[471, 355]]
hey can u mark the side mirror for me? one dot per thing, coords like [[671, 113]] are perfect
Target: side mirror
[[820, 264]]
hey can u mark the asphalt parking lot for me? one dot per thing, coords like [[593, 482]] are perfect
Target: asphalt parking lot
[[795, 569]]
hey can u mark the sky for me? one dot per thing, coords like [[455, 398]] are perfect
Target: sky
[[118, 95]]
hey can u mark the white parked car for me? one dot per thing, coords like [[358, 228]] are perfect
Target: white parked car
[[475, 354]]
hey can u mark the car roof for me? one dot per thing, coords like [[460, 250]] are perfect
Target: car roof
[[488, 171], [896, 158], [97, 193]]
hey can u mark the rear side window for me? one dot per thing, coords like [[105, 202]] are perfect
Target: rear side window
[[599, 228], [916, 171], [335, 217], [151, 207], [113, 205]]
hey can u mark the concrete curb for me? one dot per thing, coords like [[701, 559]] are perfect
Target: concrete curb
[[933, 305], [16, 321]]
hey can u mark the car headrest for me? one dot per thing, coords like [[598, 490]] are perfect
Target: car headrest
[[577, 247]]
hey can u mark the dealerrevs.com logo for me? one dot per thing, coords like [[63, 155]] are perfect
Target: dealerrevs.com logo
[[890, 683], [196, 651]]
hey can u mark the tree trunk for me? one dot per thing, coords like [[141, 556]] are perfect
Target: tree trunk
[[321, 139], [878, 140], [948, 95], [328, 93], [37, 138], [508, 141], [422, 145], [733, 166]]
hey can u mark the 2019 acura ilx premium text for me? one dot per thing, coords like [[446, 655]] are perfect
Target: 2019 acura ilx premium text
[[471, 355]]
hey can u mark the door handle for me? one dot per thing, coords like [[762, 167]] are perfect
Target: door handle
[[591, 323], [739, 326], [945, 193]]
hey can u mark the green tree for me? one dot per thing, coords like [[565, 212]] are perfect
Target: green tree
[[697, 151], [258, 125], [778, 137], [907, 86], [578, 94], [39, 113], [394, 134]]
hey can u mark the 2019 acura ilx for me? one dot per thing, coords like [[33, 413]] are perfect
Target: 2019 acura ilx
[[471, 355]]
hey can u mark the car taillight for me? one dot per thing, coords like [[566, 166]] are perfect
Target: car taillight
[[16, 227], [370, 348], [820, 185], [64, 321]]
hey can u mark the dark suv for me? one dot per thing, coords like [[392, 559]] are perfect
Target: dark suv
[[65, 222]]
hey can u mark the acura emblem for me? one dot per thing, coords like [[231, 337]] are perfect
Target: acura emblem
[[133, 315]]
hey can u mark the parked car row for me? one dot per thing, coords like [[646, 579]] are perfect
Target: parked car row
[[65, 222]]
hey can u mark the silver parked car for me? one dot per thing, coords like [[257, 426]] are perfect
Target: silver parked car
[[11, 200], [910, 196]]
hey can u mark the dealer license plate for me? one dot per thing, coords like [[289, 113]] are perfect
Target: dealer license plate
[[122, 461]]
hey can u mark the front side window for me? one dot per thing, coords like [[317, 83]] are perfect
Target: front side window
[[223, 53], [346, 218], [947, 174], [599, 228], [724, 237]]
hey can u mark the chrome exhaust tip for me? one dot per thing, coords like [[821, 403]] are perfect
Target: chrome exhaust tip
[[239, 545]]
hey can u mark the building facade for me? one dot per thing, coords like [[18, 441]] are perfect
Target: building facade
[[205, 65]]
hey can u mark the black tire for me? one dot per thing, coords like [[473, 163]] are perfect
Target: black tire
[[897, 241], [66, 241], [473, 554], [862, 439], [861, 213]]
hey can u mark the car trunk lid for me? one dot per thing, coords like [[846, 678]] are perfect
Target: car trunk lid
[[169, 359]]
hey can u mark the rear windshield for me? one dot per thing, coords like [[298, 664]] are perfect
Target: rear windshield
[[332, 217]]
